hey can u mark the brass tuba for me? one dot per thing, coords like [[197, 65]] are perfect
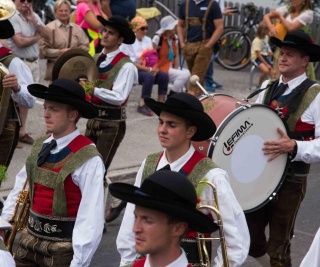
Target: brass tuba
[[7, 9], [5, 94], [202, 249], [20, 216]]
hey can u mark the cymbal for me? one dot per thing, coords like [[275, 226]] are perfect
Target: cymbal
[[73, 63]]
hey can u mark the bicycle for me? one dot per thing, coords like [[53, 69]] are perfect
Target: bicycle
[[234, 51]]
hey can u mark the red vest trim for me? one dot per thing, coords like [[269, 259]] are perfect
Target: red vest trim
[[43, 195]]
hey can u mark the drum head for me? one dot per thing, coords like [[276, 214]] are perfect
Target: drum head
[[237, 149]]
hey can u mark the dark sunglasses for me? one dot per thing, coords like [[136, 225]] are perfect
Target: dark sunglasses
[[29, 1], [144, 28]]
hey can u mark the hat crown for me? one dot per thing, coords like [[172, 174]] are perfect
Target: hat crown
[[185, 101], [121, 21], [166, 22], [67, 87], [170, 187], [298, 38]]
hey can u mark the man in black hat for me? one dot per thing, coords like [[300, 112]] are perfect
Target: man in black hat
[[166, 207], [298, 99], [118, 75], [16, 81], [181, 120], [64, 174]]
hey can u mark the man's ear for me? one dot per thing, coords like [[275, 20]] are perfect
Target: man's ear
[[191, 131]]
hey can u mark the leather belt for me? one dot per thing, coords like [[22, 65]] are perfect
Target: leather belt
[[31, 59], [50, 227], [116, 114]]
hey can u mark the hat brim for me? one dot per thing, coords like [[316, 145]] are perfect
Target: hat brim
[[86, 109], [197, 220], [205, 125], [312, 50], [171, 27], [7, 30], [128, 35]]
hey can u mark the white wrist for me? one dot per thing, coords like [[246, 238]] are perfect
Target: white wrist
[[150, 69]]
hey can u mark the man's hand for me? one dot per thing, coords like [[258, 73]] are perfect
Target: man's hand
[[10, 81], [281, 146], [30, 16]]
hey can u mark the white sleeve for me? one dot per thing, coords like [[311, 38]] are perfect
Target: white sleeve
[[122, 86], [309, 151], [10, 203], [156, 39], [87, 232], [235, 227], [24, 76], [126, 238], [6, 258], [306, 17], [312, 258]]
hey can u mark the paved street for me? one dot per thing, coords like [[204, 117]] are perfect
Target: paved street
[[141, 140]]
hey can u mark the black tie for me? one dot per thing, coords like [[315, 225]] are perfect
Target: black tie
[[101, 58], [45, 151], [167, 167], [280, 90]]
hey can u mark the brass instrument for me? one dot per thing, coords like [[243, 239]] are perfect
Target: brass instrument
[[202, 249], [5, 94], [7, 9], [20, 216]]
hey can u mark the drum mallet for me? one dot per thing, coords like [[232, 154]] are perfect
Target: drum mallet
[[194, 79]]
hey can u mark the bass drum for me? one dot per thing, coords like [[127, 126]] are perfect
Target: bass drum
[[236, 147]]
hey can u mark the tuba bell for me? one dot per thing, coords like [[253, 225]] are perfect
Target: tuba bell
[[7, 9], [204, 254]]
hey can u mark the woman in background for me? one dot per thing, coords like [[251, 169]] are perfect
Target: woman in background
[[86, 17], [64, 35], [296, 16], [165, 42]]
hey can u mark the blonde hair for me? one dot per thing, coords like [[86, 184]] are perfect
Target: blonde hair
[[58, 3], [137, 22]]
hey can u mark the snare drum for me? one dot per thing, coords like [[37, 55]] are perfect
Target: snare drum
[[237, 148]]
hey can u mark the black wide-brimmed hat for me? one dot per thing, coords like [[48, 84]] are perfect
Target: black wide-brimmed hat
[[7, 30], [188, 107], [121, 25], [68, 92], [301, 41], [169, 192]]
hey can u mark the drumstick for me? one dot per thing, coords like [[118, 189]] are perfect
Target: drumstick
[[194, 79]]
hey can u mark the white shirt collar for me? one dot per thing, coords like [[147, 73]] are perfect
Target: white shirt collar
[[179, 163], [179, 262], [198, 1], [292, 84], [63, 141], [111, 54]]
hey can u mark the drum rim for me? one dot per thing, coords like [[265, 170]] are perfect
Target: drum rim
[[220, 129]]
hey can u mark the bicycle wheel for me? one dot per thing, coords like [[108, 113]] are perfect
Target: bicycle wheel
[[234, 52]]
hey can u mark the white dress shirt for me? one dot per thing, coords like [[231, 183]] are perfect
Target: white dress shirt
[[122, 84], [312, 258], [89, 223], [24, 76], [234, 222], [308, 151], [182, 261], [6, 258], [134, 51]]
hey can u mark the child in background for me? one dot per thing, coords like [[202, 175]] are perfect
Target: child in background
[[261, 53]]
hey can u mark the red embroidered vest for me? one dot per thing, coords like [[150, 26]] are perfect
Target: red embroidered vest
[[43, 196]]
